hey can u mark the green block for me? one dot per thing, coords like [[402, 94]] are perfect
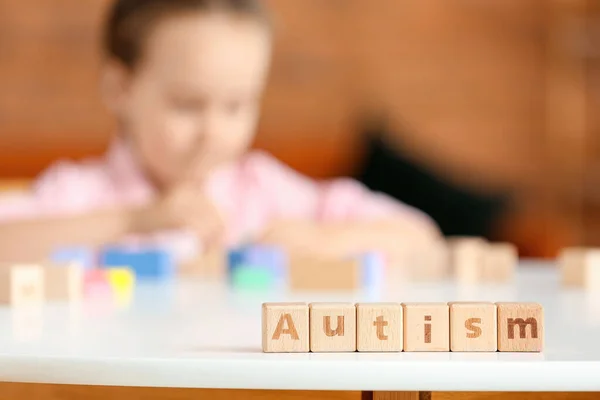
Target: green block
[[248, 277]]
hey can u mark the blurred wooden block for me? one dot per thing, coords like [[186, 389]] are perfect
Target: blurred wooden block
[[429, 264], [324, 273], [500, 262], [592, 270], [473, 326], [467, 258], [379, 327], [520, 327], [579, 267], [22, 285], [426, 327], [211, 265], [332, 327], [63, 282], [285, 328]]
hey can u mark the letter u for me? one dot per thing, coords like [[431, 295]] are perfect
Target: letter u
[[339, 329]]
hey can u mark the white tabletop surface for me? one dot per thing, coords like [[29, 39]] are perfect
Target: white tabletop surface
[[200, 335]]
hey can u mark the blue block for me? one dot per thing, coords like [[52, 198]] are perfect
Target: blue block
[[146, 264], [373, 269], [270, 259], [85, 257]]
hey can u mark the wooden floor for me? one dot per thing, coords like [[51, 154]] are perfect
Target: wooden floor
[[17, 391]]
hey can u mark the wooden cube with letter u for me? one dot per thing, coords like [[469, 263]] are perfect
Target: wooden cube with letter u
[[332, 327]]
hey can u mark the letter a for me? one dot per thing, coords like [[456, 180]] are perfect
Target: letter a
[[339, 329], [281, 330], [476, 330]]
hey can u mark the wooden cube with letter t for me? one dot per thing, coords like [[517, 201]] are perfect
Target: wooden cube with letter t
[[520, 327], [379, 327], [285, 328]]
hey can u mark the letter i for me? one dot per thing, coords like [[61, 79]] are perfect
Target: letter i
[[428, 329]]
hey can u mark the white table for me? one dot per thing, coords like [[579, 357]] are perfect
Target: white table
[[201, 335]]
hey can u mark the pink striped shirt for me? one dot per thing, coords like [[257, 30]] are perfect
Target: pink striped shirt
[[250, 193]]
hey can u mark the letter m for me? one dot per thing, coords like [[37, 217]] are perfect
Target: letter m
[[522, 327]]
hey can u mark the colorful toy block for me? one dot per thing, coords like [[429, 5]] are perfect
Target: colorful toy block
[[122, 283], [84, 257], [257, 267], [147, 264], [95, 282]]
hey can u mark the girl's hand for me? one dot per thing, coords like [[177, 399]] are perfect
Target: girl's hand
[[186, 206], [395, 238]]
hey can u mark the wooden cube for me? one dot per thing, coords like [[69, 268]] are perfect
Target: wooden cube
[[467, 258], [21, 285], [332, 327], [285, 328], [579, 267], [210, 265], [592, 270], [379, 327], [429, 264], [63, 282], [500, 262], [473, 326], [324, 273], [426, 327], [520, 327]]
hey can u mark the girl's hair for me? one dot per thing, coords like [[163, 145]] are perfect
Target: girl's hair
[[130, 22]]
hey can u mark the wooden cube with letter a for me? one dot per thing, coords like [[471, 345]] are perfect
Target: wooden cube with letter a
[[473, 326], [379, 327], [285, 328], [426, 326], [332, 327], [520, 327]]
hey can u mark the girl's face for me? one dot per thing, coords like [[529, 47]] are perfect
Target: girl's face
[[193, 101]]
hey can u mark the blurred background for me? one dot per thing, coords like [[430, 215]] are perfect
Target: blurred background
[[480, 112]]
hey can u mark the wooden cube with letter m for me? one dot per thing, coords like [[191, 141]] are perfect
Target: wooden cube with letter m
[[520, 327]]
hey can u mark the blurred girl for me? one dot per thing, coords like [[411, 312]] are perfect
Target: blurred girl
[[184, 80]]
